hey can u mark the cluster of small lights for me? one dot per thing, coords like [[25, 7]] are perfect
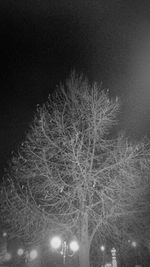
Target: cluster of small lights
[[55, 243], [32, 255], [133, 243]]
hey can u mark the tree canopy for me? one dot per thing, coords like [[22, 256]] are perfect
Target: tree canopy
[[70, 175]]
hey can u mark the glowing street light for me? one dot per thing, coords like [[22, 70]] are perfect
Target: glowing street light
[[74, 246], [63, 247], [33, 254], [27, 255], [134, 244], [8, 256], [20, 251], [4, 234], [55, 242], [102, 248]]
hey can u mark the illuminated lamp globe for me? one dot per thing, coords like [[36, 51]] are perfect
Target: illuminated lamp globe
[[7, 256], [134, 244], [20, 251], [33, 254], [4, 234], [55, 242], [74, 246], [102, 248]]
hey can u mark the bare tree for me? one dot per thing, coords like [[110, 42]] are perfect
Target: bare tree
[[71, 176]]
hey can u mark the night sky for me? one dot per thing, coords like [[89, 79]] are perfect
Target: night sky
[[43, 40]]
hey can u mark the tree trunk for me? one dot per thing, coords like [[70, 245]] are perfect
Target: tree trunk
[[84, 259]]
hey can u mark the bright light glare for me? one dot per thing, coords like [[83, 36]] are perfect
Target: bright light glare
[[7, 256], [134, 244], [102, 248], [74, 246], [4, 234], [33, 254], [55, 242], [20, 251]]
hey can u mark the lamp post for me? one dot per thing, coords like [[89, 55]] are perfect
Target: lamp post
[[102, 248], [64, 248], [134, 245], [6, 255]]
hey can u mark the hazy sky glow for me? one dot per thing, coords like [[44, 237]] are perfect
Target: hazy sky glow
[[43, 40]]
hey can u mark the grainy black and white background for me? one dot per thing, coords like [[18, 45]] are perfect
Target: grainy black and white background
[[43, 40]]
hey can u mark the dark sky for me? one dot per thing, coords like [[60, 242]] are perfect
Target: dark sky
[[42, 40]]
